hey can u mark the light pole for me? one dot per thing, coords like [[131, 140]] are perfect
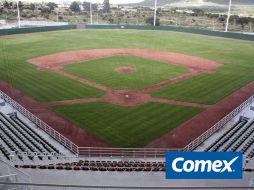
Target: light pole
[[91, 14], [229, 9], [57, 18], [18, 13], [155, 12]]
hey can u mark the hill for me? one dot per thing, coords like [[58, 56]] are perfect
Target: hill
[[166, 2]]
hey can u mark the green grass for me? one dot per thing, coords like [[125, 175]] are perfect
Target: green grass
[[126, 126], [147, 72], [47, 86], [120, 126], [206, 88], [237, 58]]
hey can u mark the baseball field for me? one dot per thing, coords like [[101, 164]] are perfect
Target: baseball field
[[126, 88]]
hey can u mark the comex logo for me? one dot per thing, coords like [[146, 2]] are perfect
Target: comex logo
[[204, 165]]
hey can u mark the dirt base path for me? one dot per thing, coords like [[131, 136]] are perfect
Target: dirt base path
[[124, 97], [192, 73], [58, 60], [55, 63], [190, 130], [144, 98], [68, 129]]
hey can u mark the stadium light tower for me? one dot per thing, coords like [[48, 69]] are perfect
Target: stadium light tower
[[155, 12], [91, 13], [229, 9], [18, 13]]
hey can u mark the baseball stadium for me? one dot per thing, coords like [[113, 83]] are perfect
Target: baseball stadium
[[97, 106]]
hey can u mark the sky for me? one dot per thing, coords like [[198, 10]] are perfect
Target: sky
[[93, 1]]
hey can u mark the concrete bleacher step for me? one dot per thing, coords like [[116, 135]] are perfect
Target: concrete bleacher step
[[226, 136], [25, 140], [246, 130]]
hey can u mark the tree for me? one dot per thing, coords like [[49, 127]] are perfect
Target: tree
[[52, 6], [243, 21], [198, 12], [45, 10], [222, 18], [21, 5], [86, 6], [1, 9], [106, 6], [150, 21], [95, 7], [32, 7], [75, 6], [6, 5]]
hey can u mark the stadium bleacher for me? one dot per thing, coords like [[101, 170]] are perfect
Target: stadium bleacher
[[91, 165], [17, 137], [237, 138]]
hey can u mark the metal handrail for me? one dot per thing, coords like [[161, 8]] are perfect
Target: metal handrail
[[128, 152], [45, 127], [218, 125]]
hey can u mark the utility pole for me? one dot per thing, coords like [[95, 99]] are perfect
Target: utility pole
[[155, 12], [91, 13], [229, 9], [57, 18], [18, 13]]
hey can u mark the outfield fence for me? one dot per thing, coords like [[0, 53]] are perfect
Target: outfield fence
[[36, 29], [231, 35]]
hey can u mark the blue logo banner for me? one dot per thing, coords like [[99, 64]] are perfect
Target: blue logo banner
[[204, 165]]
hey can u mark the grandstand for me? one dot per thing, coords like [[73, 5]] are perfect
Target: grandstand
[[33, 151], [21, 139], [235, 136], [28, 148]]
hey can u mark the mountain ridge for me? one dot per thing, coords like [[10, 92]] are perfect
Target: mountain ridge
[[165, 2]]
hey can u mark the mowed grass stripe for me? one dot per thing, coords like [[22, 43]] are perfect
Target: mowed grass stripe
[[237, 57], [47, 86], [122, 126], [147, 72], [206, 88]]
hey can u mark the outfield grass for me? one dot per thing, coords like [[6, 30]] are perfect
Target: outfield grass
[[126, 126], [237, 58], [147, 72], [46, 86], [120, 126], [219, 85]]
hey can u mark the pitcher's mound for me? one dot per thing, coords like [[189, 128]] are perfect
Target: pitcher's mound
[[125, 69]]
